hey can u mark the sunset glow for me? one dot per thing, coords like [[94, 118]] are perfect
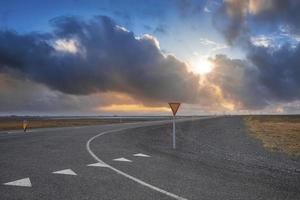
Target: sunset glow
[[132, 108]]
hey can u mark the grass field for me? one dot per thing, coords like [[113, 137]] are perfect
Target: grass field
[[277, 133], [10, 123]]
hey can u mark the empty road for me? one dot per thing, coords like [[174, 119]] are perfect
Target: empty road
[[215, 159]]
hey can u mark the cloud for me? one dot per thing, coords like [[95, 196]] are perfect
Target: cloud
[[206, 10], [212, 45], [236, 19], [237, 82], [276, 13], [262, 41], [264, 78], [70, 46], [21, 95], [96, 65], [85, 57], [271, 70], [278, 70]]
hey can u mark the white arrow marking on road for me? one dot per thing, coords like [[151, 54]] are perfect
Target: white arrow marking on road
[[97, 165], [25, 182], [139, 181], [122, 160], [65, 171], [141, 155]]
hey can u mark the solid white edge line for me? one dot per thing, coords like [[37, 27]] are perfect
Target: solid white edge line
[[125, 174]]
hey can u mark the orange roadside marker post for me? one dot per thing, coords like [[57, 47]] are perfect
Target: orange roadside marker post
[[25, 125], [174, 107]]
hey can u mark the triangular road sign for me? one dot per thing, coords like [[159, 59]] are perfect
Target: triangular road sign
[[174, 106], [25, 182]]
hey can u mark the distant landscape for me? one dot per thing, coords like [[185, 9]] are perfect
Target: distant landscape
[[15, 122], [280, 133]]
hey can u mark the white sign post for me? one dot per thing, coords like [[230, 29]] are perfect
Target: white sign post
[[174, 107], [174, 134]]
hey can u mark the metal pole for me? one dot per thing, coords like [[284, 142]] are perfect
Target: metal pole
[[174, 134]]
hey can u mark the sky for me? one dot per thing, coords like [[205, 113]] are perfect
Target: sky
[[132, 57]]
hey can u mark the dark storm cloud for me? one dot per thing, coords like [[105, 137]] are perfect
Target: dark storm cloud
[[230, 19], [238, 82], [19, 94], [106, 58], [237, 18], [263, 78], [277, 72], [278, 12]]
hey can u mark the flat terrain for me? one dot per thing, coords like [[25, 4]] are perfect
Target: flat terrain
[[13, 123], [277, 133], [216, 158]]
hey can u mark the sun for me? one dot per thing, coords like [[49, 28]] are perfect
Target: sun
[[201, 66]]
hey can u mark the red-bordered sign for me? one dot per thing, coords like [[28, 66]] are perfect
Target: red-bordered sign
[[174, 107]]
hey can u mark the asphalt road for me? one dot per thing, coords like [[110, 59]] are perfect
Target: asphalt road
[[215, 159]]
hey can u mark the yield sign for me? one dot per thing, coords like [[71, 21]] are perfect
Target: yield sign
[[174, 106]]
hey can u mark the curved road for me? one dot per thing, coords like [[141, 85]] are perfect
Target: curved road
[[215, 159]]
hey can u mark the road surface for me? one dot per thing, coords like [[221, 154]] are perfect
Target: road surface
[[215, 159]]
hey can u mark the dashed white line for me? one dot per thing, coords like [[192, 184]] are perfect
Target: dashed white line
[[122, 160], [139, 181], [141, 155]]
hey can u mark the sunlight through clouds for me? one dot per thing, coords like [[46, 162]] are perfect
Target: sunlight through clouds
[[70, 46]]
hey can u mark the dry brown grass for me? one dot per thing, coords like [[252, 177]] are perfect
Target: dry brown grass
[[277, 133], [16, 123]]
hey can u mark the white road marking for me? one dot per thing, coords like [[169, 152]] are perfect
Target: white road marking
[[98, 164], [12, 132], [20, 131], [139, 181], [141, 155], [122, 159], [65, 171], [25, 182]]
